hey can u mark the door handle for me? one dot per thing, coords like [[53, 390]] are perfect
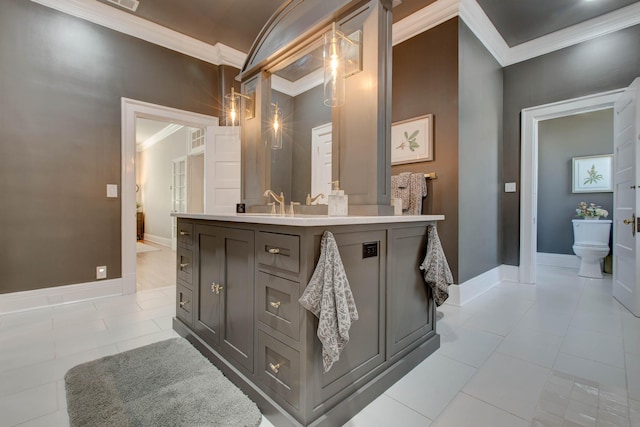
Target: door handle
[[632, 221], [216, 288]]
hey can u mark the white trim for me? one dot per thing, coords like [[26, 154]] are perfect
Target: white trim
[[509, 273], [461, 294], [126, 23], [49, 297], [163, 133], [301, 85], [424, 19], [606, 24], [132, 109], [529, 167], [157, 240], [420, 21], [558, 260]]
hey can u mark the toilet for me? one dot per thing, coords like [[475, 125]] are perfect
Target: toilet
[[591, 244]]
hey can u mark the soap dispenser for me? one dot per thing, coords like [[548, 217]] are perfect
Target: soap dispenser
[[338, 201]]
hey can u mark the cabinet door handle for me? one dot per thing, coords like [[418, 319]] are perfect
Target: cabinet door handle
[[274, 251], [216, 288], [274, 368], [183, 303], [184, 233], [275, 304], [183, 265]]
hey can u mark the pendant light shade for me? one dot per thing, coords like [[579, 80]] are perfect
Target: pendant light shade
[[334, 68], [276, 127]]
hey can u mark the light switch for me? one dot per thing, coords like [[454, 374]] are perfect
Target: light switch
[[112, 190], [509, 187]]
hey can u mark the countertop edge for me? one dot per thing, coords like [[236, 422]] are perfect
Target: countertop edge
[[310, 220]]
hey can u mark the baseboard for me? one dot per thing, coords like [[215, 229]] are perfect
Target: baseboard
[[558, 260], [461, 294], [49, 297], [157, 239]]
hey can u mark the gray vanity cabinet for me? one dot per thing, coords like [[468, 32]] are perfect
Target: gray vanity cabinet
[[225, 277]]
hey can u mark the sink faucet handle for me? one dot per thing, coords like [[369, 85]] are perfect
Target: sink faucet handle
[[292, 204], [273, 207]]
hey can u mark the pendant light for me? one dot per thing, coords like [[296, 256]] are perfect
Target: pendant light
[[232, 106], [276, 128], [334, 68]]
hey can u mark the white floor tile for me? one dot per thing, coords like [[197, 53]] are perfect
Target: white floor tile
[[57, 419], [430, 386], [470, 346], [606, 323], [384, 412], [468, 411], [541, 320], [631, 334], [633, 375], [15, 356], [29, 404], [500, 383], [495, 321], [604, 348], [535, 347], [590, 369], [113, 321], [146, 340]]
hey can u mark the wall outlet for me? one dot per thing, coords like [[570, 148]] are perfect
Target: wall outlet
[[509, 187], [101, 272]]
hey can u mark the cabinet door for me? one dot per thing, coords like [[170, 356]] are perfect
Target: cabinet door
[[237, 321], [410, 310], [208, 260]]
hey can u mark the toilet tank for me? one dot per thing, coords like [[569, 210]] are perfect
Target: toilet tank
[[591, 232]]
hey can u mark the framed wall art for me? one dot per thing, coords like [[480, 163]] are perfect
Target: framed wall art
[[412, 140], [592, 174]]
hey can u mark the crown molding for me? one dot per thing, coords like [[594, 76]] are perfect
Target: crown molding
[[163, 133], [301, 85], [123, 22], [424, 19], [606, 24]]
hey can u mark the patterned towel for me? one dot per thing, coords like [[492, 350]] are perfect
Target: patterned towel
[[418, 190], [328, 296], [437, 273], [401, 189]]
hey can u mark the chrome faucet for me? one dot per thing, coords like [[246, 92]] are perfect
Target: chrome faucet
[[279, 199], [313, 199]]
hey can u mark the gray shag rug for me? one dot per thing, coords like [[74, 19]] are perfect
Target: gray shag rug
[[168, 383]]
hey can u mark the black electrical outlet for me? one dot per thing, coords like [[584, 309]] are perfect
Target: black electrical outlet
[[369, 249]]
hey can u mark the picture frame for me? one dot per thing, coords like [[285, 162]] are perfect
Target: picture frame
[[412, 140], [592, 174]]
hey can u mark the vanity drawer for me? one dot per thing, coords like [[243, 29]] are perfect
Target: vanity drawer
[[184, 304], [279, 251], [185, 233], [278, 304], [279, 368], [184, 265]]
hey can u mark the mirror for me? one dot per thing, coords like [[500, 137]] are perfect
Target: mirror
[[303, 165]]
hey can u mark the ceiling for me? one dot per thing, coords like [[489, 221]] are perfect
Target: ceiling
[[236, 23]]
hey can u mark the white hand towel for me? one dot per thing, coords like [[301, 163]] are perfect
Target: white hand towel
[[328, 296]]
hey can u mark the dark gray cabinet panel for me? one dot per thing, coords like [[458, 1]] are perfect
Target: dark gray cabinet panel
[[237, 288], [184, 304], [365, 349], [185, 265], [279, 368], [408, 301], [277, 301], [277, 250], [208, 307]]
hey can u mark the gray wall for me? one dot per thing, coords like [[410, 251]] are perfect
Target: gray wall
[[61, 80], [606, 63], [480, 141], [559, 140], [425, 80]]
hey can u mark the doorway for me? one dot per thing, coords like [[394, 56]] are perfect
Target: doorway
[[133, 110], [531, 117]]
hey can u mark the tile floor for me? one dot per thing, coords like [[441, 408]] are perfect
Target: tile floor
[[560, 353]]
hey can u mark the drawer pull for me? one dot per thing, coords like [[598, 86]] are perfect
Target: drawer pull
[[275, 304], [274, 251], [274, 368], [183, 303], [216, 288], [184, 233], [183, 265]]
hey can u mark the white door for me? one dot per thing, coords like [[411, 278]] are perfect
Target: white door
[[626, 242], [222, 169], [178, 194], [321, 162]]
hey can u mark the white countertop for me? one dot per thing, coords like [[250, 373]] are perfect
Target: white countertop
[[310, 220]]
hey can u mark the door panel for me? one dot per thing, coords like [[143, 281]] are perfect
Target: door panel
[[626, 201], [208, 307]]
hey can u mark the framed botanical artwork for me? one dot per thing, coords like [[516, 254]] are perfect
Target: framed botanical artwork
[[592, 174], [412, 140]]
